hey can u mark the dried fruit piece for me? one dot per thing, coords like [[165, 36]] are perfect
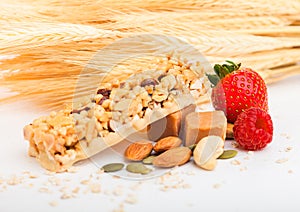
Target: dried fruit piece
[[138, 151], [149, 159], [253, 129], [167, 143], [228, 154], [207, 151], [112, 167], [173, 157], [137, 168], [148, 82]]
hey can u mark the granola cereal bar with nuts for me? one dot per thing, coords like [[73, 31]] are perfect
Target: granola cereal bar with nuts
[[116, 111]]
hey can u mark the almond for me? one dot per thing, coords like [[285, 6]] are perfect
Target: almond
[[167, 143], [173, 157], [138, 151]]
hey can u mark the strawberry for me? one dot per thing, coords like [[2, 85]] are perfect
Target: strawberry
[[235, 89], [253, 129]]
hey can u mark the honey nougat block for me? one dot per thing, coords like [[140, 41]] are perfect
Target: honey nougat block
[[171, 125], [201, 124]]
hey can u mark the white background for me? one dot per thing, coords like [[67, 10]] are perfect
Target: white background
[[259, 183]]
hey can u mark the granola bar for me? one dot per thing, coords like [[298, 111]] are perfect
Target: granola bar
[[116, 111]]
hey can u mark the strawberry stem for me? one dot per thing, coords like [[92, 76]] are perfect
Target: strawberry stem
[[221, 71]]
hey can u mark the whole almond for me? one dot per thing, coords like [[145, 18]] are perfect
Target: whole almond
[[138, 151], [167, 143], [173, 157]]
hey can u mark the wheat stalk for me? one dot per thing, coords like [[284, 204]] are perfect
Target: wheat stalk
[[51, 47]]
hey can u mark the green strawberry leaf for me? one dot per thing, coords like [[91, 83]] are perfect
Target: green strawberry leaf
[[214, 79]]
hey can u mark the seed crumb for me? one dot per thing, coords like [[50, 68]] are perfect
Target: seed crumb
[[54, 181], [100, 171], [247, 158], [250, 153], [14, 180], [290, 171], [282, 160], [116, 177], [85, 182], [288, 149], [131, 199], [65, 196], [186, 186], [73, 169], [118, 191], [44, 190], [136, 186], [75, 190], [53, 203], [32, 176], [95, 188], [190, 173], [287, 136], [234, 144], [217, 185], [243, 168], [120, 208], [235, 162], [49, 173]]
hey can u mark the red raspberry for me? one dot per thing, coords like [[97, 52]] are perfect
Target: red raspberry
[[253, 129]]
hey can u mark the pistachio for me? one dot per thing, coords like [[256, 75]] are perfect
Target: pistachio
[[228, 154], [137, 168], [112, 167]]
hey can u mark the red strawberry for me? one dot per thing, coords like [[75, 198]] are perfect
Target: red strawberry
[[253, 129], [236, 89]]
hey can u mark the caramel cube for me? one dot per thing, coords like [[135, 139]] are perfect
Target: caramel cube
[[201, 124], [171, 125]]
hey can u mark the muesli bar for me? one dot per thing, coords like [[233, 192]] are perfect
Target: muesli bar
[[117, 110]]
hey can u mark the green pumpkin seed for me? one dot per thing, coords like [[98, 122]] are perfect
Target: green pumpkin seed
[[192, 147], [148, 160], [113, 167], [137, 168], [228, 154]]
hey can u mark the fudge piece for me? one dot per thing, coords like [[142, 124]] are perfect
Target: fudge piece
[[201, 124], [172, 125]]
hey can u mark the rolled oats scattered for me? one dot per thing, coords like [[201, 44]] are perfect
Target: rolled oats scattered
[[235, 162], [282, 160], [53, 203]]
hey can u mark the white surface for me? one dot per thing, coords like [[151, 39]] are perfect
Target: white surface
[[257, 184]]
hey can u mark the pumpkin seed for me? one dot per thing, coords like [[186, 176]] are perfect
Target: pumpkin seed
[[137, 168], [113, 167], [228, 154], [192, 147], [149, 159]]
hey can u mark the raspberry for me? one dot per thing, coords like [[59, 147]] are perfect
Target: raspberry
[[253, 129]]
